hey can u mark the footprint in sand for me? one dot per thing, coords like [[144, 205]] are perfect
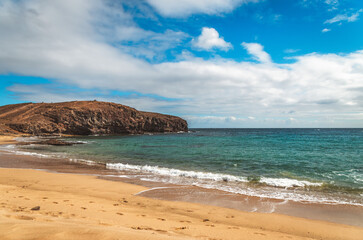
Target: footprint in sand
[[24, 217], [180, 228], [233, 227], [229, 216], [142, 228], [66, 200], [83, 208], [162, 219], [55, 202], [185, 221], [119, 213]]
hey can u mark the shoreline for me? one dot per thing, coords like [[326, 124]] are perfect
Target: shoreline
[[171, 194], [341, 214], [77, 206]]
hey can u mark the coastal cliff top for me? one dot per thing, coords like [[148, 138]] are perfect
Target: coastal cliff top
[[83, 118]]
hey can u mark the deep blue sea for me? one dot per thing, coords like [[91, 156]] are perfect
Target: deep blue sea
[[309, 165]]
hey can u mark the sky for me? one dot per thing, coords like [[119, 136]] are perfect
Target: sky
[[216, 63]]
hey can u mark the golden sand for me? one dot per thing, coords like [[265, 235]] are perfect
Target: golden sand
[[84, 207], [7, 139]]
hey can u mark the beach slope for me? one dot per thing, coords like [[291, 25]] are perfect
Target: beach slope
[[70, 206]]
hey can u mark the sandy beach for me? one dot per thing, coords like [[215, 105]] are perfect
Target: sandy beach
[[7, 139], [83, 207]]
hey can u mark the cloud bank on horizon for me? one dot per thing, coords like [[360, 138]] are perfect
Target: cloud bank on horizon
[[235, 63]]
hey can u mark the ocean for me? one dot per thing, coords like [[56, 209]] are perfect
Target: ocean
[[305, 165]]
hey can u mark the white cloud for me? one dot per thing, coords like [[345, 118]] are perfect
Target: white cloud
[[57, 40], [326, 30], [210, 39], [183, 8], [332, 2], [291, 50], [256, 50], [344, 17]]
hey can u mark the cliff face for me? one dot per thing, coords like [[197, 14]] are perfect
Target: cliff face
[[84, 118]]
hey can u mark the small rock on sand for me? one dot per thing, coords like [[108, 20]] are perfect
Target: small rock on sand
[[35, 208]]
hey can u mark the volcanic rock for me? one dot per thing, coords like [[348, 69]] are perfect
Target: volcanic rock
[[84, 118]]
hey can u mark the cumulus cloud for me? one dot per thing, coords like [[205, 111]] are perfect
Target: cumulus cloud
[[344, 17], [210, 39], [58, 41], [326, 30], [256, 50], [183, 8]]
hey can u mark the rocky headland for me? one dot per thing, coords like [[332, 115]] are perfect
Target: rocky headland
[[84, 118]]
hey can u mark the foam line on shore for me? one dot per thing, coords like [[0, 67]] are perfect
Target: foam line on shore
[[208, 180], [217, 177]]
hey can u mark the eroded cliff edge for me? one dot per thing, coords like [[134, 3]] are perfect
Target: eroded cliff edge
[[84, 118]]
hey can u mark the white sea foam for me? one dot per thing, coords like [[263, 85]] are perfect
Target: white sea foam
[[287, 183], [233, 184], [282, 194], [176, 172], [217, 177], [30, 154], [351, 174], [84, 161], [82, 142]]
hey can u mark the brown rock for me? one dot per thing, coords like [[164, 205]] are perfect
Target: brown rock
[[37, 208], [84, 118]]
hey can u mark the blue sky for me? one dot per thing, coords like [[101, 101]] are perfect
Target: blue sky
[[217, 63]]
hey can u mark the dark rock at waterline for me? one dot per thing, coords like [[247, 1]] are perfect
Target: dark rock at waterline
[[84, 118]]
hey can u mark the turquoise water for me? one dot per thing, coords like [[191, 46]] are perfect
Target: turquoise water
[[320, 165]]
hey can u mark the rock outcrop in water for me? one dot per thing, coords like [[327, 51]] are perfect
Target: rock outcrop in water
[[84, 118]]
